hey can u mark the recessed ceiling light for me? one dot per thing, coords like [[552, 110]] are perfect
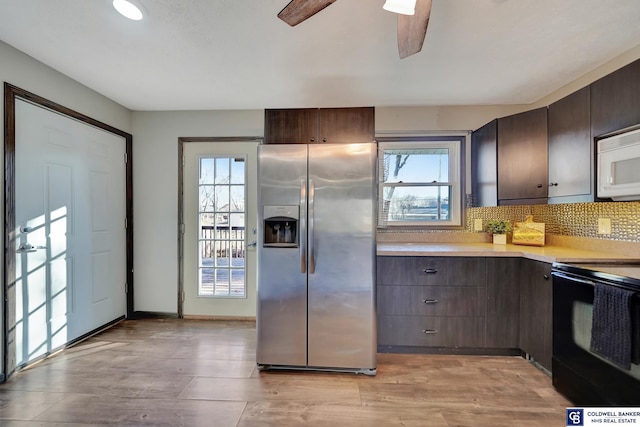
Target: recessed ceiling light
[[404, 7], [128, 9]]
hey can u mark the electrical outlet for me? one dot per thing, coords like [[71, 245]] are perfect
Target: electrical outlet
[[604, 225], [477, 224]]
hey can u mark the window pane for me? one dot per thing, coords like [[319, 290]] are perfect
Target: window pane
[[222, 254], [222, 198], [206, 171], [207, 198], [417, 203], [222, 170], [237, 198], [222, 282], [416, 165], [222, 233], [237, 171]]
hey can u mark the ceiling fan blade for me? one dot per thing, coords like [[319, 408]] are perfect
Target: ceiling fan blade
[[299, 10], [413, 28]]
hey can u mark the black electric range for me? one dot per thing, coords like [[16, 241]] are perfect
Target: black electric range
[[580, 370]]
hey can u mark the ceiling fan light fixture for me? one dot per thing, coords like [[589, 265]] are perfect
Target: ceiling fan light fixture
[[403, 7], [128, 9]]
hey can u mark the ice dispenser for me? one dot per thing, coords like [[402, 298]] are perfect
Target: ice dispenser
[[281, 226]]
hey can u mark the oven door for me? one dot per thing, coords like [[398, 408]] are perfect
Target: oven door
[[584, 377]]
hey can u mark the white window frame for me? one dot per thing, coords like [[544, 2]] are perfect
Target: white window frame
[[455, 181]]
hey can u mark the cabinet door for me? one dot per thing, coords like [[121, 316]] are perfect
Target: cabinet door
[[291, 126], [615, 100], [571, 148], [536, 300], [503, 302], [431, 271], [484, 167], [522, 158], [347, 125]]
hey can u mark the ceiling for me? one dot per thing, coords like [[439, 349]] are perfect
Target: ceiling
[[236, 54]]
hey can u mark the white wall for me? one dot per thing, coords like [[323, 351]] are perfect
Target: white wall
[[155, 189], [26, 73]]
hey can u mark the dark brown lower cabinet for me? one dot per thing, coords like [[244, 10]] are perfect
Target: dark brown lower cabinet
[[431, 301], [536, 307], [503, 302], [492, 305]]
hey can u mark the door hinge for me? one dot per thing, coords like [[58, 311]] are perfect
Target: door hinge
[[126, 159], [182, 297], [182, 228], [126, 223], [126, 288]]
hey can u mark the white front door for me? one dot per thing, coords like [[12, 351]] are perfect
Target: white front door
[[219, 212], [70, 231]]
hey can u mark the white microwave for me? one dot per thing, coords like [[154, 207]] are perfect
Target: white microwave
[[619, 166]]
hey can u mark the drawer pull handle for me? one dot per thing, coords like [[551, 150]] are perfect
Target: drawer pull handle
[[430, 301], [430, 270], [429, 331]]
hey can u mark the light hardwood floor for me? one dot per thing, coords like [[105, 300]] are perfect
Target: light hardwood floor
[[202, 373]]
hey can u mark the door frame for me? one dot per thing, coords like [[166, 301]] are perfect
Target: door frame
[[181, 227], [11, 93]]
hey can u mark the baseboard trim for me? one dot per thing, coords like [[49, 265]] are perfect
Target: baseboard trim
[[226, 318], [153, 315], [472, 351]]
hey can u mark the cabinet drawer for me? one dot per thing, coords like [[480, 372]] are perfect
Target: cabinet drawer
[[431, 331], [431, 300], [436, 271]]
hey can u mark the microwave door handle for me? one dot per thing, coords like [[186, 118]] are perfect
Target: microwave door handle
[[303, 226], [612, 173]]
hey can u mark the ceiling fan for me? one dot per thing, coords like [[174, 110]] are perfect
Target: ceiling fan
[[411, 28]]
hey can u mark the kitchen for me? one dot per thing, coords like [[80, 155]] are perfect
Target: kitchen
[[156, 133]]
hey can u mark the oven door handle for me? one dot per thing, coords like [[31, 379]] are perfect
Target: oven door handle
[[573, 278]]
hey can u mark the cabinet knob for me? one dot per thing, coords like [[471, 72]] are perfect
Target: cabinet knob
[[324, 139], [546, 277], [553, 184], [430, 270], [539, 185], [429, 331], [312, 139], [430, 301]]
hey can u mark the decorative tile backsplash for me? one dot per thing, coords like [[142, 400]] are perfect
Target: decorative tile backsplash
[[575, 219]]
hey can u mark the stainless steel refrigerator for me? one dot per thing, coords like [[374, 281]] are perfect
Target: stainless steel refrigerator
[[316, 257]]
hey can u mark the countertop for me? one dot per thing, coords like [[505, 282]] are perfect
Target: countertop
[[548, 254]]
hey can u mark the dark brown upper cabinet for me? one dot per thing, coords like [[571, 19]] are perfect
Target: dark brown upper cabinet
[[324, 125], [484, 168], [523, 158], [615, 100], [571, 149], [291, 126]]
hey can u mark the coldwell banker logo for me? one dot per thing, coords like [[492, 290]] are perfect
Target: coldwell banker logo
[[575, 417]]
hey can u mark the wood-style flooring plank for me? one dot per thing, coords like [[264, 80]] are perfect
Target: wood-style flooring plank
[[170, 372]]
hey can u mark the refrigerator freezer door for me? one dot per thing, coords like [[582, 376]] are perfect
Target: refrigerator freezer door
[[341, 308], [282, 280]]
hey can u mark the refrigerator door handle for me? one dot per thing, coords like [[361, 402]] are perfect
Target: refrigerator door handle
[[312, 255], [303, 227]]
